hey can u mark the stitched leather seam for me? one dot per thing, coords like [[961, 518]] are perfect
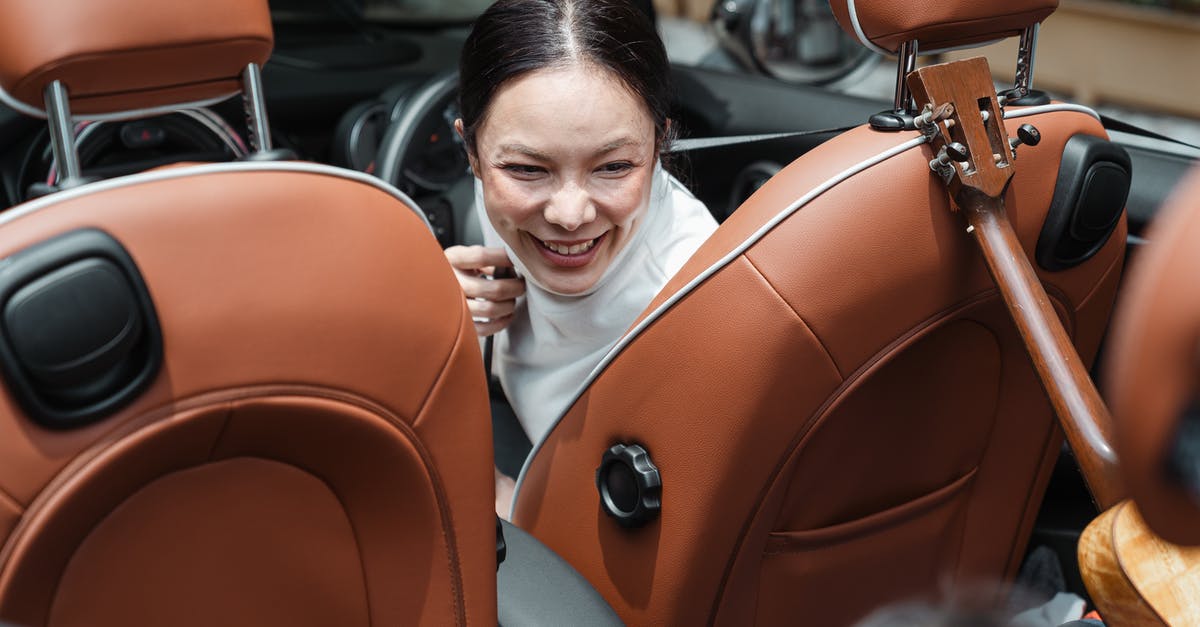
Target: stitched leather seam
[[813, 419], [455, 566], [775, 291], [11, 501], [1096, 288], [58, 582], [37, 73], [151, 417], [786, 543], [437, 382]]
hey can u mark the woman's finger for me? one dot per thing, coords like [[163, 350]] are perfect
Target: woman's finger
[[491, 309], [505, 487], [475, 258], [491, 327], [491, 289]]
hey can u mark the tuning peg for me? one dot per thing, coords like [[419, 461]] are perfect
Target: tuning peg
[[1027, 134], [953, 151], [931, 115]]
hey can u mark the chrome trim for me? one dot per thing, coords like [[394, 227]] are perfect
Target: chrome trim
[[62, 132], [906, 63], [256, 109], [1026, 51]]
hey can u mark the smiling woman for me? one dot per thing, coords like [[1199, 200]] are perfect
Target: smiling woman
[[565, 163], [564, 114]]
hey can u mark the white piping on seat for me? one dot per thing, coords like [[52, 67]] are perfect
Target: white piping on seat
[[862, 36], [658, 312], [21, 107], [201, 170], [1020, 112]]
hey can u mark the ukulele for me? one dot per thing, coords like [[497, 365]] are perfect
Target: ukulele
[[1134, 577]]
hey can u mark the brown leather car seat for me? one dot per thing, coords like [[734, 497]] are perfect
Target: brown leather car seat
[[240, 393], [839, 408], [1153, 372]]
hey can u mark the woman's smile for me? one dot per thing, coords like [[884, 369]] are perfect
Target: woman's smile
[[570, 254]]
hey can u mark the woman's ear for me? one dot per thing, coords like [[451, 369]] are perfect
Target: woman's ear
[[458, 128]]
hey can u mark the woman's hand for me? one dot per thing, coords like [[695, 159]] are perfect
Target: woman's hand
[[504, 494], [490, 300]]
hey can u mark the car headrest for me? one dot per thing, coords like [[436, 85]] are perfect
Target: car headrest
[[128, 55], [884, 25], [1153, 371]]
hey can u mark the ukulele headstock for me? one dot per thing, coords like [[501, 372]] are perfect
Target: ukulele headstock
[[962, 118]]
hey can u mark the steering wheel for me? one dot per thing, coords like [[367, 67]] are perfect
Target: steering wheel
[[421, 154]]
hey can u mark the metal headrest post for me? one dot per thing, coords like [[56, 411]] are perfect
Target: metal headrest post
[[906, 62], [255, 104], [62, 135], [1022, 92], [1026, 52], [903, 108], [256, 109]]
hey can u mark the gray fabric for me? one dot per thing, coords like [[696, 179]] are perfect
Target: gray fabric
[[1062, 608], [536, 587]]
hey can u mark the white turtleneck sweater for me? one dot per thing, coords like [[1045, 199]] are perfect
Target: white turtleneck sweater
[[554, 340]]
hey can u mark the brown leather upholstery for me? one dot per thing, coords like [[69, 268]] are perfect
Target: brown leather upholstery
[[1154, 364], [937, 24], [316, 449], [130, 54], [843, 415]]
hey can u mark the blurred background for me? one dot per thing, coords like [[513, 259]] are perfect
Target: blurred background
[[1108, 54]]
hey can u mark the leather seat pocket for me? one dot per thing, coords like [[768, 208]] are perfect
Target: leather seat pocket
[[841, 572]]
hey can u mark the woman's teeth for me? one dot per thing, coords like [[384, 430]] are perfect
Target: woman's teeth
[[574, 249]]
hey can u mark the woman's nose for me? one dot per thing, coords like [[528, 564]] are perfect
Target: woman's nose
[[570, 207]]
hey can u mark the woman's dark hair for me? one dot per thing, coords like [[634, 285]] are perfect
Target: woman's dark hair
[[515, 37]]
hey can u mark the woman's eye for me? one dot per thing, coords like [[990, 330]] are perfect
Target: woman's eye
[[524, 171], [616, 167]]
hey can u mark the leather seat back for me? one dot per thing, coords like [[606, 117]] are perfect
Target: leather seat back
[[314, 448], [841, 410], [1153, 369]]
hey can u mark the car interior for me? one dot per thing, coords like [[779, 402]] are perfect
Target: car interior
[[241, 385]]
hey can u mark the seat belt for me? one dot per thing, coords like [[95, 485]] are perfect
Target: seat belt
[[1113, 124], [703, 143]]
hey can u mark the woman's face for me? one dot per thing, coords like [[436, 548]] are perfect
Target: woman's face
[[566, 156]]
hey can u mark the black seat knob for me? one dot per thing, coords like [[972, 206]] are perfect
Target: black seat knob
[[630, 485]]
